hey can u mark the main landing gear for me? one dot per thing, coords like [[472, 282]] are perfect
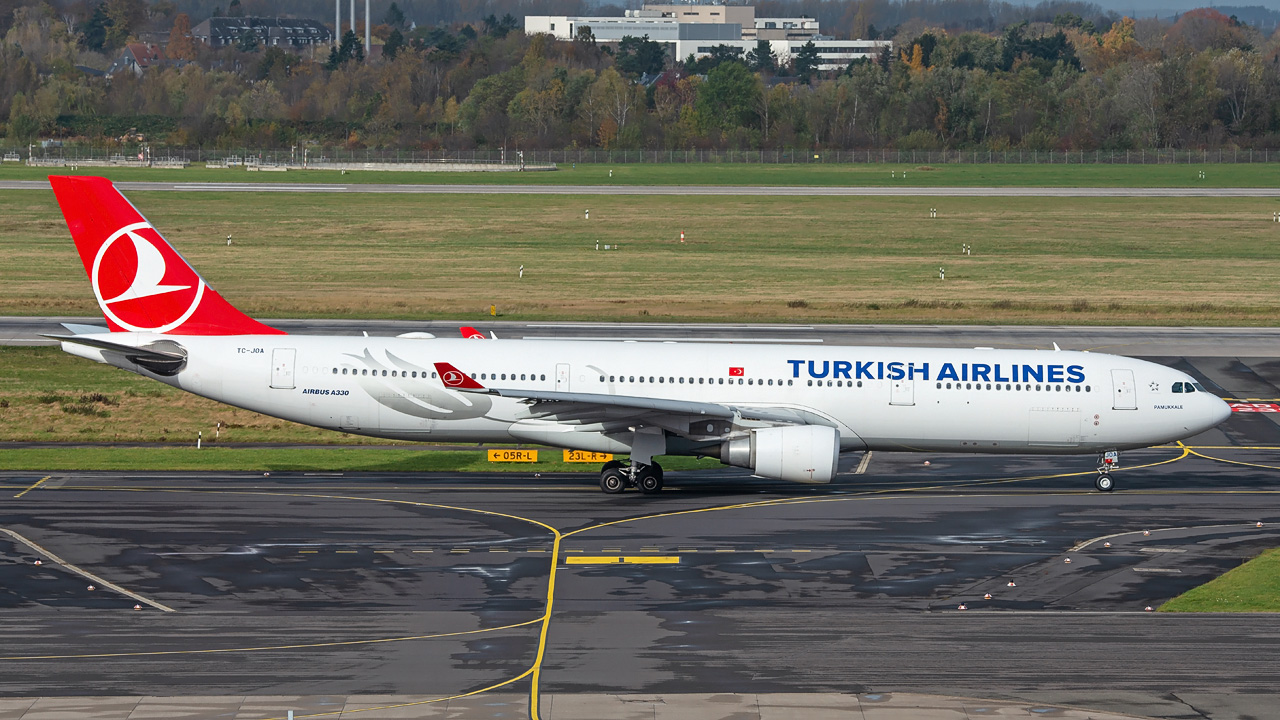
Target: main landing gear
[[1110, 460], [616, 477]]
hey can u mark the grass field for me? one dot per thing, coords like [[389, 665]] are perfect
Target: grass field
[[1252, 587], [1176, 261], [813, 174]]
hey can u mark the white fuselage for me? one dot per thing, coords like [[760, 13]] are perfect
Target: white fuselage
[[879, 398]]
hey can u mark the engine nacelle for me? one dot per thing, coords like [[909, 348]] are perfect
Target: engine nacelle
[[798, 453]]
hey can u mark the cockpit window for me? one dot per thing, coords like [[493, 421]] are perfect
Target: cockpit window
[[1197, 386], [1177, 387]]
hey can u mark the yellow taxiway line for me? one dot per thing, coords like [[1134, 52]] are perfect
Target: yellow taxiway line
[[37, 484], [622, 560]]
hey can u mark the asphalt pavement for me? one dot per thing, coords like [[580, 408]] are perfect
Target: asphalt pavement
[[436, 585]]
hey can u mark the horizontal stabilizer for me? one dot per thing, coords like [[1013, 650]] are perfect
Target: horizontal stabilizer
[[167, 362], [76, 329]]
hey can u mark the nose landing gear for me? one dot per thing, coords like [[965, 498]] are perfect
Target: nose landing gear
[[615, 477], [1110, 460]]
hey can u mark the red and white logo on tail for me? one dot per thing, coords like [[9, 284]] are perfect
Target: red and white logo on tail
[[141, 283], [126, 273]]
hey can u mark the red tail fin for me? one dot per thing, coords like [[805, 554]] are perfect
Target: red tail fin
[[142, 284], [454, 378], [471, 333]]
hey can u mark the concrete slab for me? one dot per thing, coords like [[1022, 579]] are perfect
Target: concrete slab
[[186, 708], [81, 708], [811, 706], [15, 708], [391, 707]]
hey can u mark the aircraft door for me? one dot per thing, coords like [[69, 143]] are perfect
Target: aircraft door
[[282, 360], [562, 377], [1124, 390], [902, 392]]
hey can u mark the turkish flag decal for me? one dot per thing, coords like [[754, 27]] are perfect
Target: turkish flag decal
[[737, 372]]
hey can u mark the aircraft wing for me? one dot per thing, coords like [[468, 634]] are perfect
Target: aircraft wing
[[676, 415]]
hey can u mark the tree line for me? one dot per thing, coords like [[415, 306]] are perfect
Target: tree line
[[1071, 81]]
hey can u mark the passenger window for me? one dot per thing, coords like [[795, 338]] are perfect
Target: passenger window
[[859, 383], [523, 374], [789, 383], [650, 378], [544, 377], [344, 371]]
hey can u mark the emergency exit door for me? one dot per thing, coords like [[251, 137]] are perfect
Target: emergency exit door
[[562, 377], [902, 392], [282, 360], [1124, 391]]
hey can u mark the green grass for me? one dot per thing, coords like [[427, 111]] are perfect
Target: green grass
[[1252, 587], [813, 174], [1161, 261], [335, 459]]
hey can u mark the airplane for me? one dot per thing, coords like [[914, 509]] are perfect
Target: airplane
[[784, 412]]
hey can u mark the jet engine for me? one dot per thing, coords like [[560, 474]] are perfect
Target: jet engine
[[798, 453]]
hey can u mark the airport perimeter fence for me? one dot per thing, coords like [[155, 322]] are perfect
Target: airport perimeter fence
[[160, 155]]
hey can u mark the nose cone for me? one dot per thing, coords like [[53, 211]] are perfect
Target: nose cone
[[1219, 411]]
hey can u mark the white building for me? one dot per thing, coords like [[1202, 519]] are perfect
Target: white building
[[696, 29], [832, 54]]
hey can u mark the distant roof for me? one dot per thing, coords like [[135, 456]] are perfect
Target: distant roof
[[234, 26], [146, 55]]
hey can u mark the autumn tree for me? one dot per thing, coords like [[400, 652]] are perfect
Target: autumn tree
[[123, 19], [181, 46]]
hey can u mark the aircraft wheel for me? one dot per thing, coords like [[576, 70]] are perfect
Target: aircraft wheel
[[1104, 483], [649, 480], [613, 481], [611, 465]]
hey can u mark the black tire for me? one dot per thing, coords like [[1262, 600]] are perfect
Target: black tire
[[613, 481], [1104, 483], [657, 470], [612, 464], [649, 480]]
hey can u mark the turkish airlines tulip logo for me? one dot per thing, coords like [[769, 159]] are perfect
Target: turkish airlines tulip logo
[[452, 378], [135, 285]]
